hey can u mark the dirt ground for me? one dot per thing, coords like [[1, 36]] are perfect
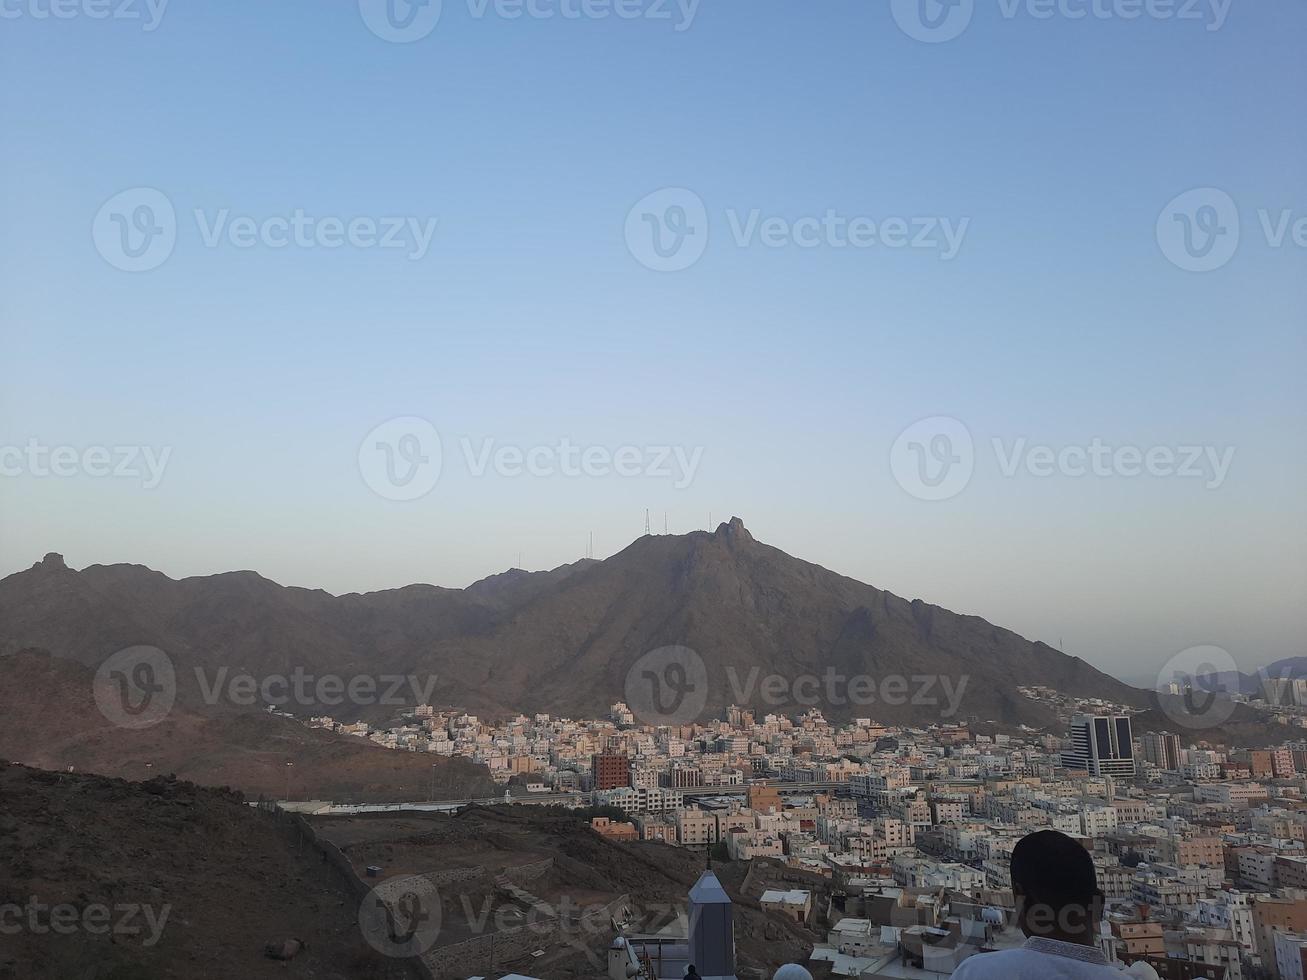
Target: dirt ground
[[588, 872], [165, 879], [192, 883]]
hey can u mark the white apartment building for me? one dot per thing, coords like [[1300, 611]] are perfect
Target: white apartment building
[[957, 877], [1167, 892], [746, 845], [1257, 868], [887, 780], [641, 799], [1238, 794], [1068, 823], [867, 849], [1290, 949], [1216, 948], [896, 832], [1230, 911], [1095, 821], [947, 811]]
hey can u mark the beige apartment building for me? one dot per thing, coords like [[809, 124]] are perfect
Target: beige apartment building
[[1206, 852], [1138, 937], [696, 828]]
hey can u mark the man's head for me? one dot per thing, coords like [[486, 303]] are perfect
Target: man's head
[[1055, 887]]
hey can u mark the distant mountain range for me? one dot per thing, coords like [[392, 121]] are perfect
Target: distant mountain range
[[563, 641], [1251, 683]]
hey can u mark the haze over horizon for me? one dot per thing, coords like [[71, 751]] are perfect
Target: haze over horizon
[[1138, 672], [1040, 158]]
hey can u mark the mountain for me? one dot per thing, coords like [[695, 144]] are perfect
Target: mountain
[[1251, 683], [563, 641]]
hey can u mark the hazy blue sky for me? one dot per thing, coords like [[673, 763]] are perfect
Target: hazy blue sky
[[1064, 312]]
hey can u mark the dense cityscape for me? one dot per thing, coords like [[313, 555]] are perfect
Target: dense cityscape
[[1199, 852], [653, 490]]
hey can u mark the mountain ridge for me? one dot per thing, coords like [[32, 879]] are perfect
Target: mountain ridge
[[562, 640]]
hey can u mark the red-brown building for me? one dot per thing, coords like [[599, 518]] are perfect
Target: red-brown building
[[610, 771]]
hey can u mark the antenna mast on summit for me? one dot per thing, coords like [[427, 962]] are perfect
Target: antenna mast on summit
[[646, 520]]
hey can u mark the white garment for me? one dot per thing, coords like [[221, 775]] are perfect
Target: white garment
[[1045, 959]]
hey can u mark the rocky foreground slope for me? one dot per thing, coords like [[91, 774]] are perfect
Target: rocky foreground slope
[[111, 880]]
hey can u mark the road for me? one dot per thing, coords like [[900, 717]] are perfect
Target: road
[[532, 799]]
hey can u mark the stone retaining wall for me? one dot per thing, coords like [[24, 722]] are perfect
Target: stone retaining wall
[[296, 828]]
